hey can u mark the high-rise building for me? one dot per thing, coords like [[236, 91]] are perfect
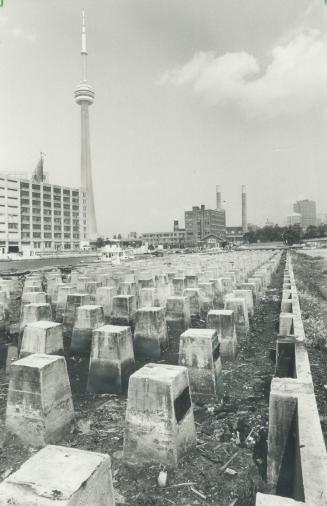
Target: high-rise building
[[84, 96], [39, 215], [307, 208], [201, 222], [294, 219]]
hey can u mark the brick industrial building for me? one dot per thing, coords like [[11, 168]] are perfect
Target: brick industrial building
[[201, 222]]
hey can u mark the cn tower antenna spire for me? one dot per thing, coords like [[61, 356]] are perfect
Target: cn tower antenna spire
[[84, 50]]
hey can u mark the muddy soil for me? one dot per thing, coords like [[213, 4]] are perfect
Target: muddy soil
[[228, 465], [311, 282]]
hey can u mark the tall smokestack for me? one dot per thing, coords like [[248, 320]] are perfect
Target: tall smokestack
[[244, 214], [218, 197]]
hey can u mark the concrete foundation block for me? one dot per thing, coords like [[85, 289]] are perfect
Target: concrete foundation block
[[178, 315], [104, 298], [258, 284], [91, 288], [191, 281], [150, 336], [123, 310], [146, 282], [34, 298], [148, 297], [88, 318], [238, 305], [63, 291], [282, 410], [224, 322], [159, 418], [35, 312], [286, 324], [226, 284], [275, 500], [74, 300], [81, 283], [178, 286], [39, 404], [199, 352], [127, 288], [252, 287], [42, 337], [247, 294], [112, 359], [60, 475], [195, 299], [286, 306]]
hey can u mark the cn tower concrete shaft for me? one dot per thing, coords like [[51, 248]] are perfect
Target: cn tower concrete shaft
[[86, 171], [84, 96]]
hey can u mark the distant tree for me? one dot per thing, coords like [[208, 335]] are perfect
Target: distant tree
[[99, 242], [119, 236], [115, 237]]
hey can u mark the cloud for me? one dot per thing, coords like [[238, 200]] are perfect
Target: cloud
[[31, 37], [294, 82], [3, 20], [17, 32]]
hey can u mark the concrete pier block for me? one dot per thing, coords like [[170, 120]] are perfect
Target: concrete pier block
[[127, 288], [178, 286], [146, 282], [74, 300], [33, 298], [60, 475], [195, 299], [112, 359], [123, 310], [148, 297], [42, 337], [224, 322], [199, 352], [39, 404], [286, 306], [104, 297], [150, 336], [87, 319], [81, 283], [178, 315], [238, 305], [33, 313], [91, 288], [63, 291], [282, 410], [286, 324], [247, 294], [159, 418], [252, 287], [191, 281], [226, 285], [208, 293]]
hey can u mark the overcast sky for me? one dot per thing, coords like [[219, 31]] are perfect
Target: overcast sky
[[189, 94]]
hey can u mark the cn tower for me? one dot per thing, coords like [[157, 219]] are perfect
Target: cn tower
[[84, 96]]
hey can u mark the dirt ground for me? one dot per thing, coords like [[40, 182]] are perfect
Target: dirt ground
[[228, 465], [311, 282]]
